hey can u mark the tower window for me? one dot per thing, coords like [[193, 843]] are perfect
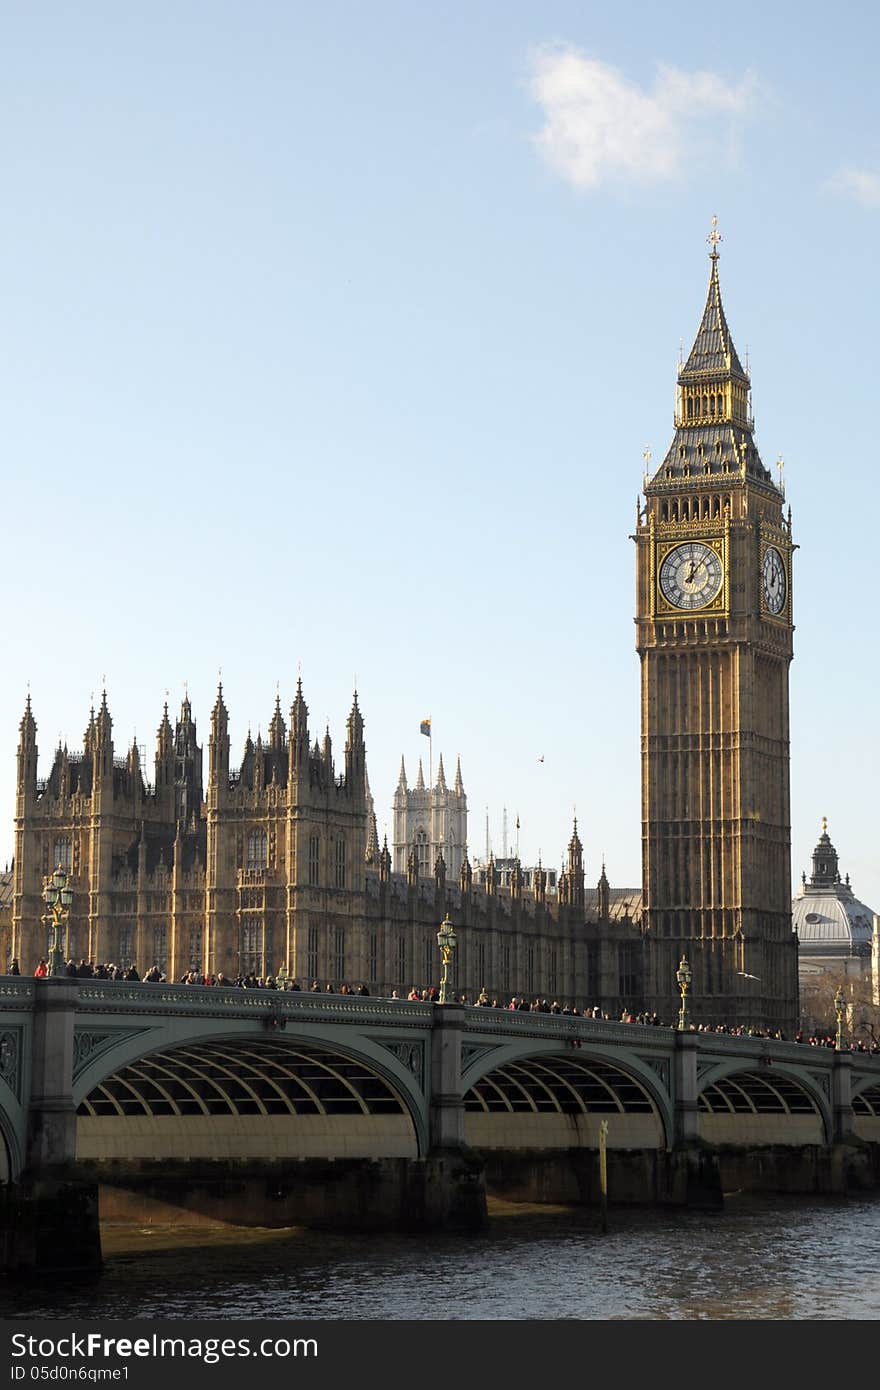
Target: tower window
[[314, 860], [340, 863], [251, 962], [62, 852], [423, 854], [373, 956], [257, 849], [312, 952], [339, 952], [160, 947]]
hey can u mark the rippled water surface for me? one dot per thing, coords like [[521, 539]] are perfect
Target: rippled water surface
[[785, 1259]]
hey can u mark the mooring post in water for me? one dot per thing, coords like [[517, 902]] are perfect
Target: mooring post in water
[[603, 1174]]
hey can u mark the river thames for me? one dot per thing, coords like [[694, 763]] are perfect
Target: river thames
[[785, 1259]]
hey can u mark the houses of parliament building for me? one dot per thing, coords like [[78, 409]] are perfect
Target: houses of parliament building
[[275, 863]]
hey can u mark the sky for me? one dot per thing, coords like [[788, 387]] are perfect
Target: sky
[[332, 338]]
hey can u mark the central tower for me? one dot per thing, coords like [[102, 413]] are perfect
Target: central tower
[[714, 634]]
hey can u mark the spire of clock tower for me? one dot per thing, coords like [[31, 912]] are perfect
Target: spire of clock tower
[[713, 420]]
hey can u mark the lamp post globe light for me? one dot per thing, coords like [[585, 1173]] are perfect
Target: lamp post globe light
[[447, 941], [683, 975], [57, 895], [840, 1010]]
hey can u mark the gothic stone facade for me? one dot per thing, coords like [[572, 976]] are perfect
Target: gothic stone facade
[[276, 864]]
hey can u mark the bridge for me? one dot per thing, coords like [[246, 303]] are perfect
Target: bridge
[[347, 1108]]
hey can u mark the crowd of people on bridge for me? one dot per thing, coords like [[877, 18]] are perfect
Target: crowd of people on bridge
[[430, 994]]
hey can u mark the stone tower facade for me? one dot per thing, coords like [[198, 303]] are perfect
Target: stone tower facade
[[135, 850], [430, 822], [714, 634], [264, 868]]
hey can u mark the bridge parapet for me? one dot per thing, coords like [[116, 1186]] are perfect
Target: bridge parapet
[[211, 1001]]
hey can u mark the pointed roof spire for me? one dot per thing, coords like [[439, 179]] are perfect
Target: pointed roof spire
[[441, 776], [277, 726], [459, 785], [299, 712], [372, 850], [574, 843], [713, 350], [420, 780], [28, 723], [355, 724], [219, 713], [401, 781]]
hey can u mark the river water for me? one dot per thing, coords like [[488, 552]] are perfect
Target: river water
[[785, 1259]]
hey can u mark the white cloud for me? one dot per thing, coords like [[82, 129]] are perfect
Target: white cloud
[[598, 125], [860, 184]]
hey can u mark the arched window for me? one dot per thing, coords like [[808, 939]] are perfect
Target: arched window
[[340, 863], [62, 852], [195, 948], [257, 847], [423, 854], [126, 945], [251, 962]]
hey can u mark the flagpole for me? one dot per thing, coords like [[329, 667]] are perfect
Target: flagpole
[[431, 752]]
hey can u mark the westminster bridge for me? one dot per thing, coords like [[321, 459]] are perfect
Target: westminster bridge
[[356, 1109]]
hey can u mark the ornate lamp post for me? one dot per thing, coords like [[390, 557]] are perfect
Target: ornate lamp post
[[447, 941], [683, 975], [840, 1010], [57, 895]]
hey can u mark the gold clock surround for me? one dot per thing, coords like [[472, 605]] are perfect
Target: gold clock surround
[[663, 549]]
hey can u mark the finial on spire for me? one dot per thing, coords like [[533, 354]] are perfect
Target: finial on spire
[[824, 825], [713, 238]]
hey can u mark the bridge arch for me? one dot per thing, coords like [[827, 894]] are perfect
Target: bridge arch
[[536, 1093], [236, 1090], [866, 1109], [11, 1157], [751, 1102]]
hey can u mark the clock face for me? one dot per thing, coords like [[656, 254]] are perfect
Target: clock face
[[775, 586], [691, 575]]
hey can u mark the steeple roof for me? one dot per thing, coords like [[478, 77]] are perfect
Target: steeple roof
[[713, 352], [714, 426]]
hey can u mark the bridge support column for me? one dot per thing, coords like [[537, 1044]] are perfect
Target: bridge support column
[[455, 1178], [841, 1096], [50, 1216], [447, 1101], [51, 1141], [684, 1088], [695, 1171]]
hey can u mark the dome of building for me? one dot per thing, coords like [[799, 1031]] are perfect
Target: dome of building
[[826, 914]]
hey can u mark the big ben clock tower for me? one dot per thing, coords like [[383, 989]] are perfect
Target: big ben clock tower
[[714, 625]]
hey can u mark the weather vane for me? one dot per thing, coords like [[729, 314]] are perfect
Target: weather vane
[[713, 238]]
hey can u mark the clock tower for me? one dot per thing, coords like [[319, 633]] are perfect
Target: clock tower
[[714, 634]]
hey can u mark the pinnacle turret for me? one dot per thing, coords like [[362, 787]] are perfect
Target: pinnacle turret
[[826, 869], [355, 725], [277, 726], [459, 784], [441, 776], [420, 780]]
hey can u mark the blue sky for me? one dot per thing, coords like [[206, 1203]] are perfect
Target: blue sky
[[333, 337]]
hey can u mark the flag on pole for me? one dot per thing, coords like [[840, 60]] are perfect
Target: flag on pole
[[425, 727]]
